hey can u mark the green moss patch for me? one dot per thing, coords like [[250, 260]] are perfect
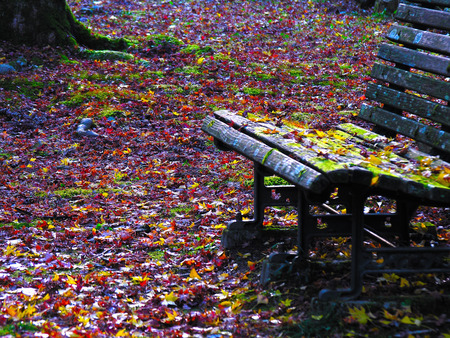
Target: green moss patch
[[104, 55]]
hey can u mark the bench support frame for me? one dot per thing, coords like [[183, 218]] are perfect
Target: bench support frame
[[355, 223]]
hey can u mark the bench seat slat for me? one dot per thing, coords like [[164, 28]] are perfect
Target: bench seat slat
[[417, 38], [370, 138], [412, 81], [341, 160], [382, 142], [423, 16], [261, 153], [410, 103], [431, 136], [415, 59]]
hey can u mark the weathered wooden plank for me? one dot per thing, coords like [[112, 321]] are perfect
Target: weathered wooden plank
[[431, 63], [443, 3], [284, 166], [416, 82], [423, 16], [435, 187], [417, 38], [342, 160], [410, 103], [382, 142], [426, 134], [331, 156]]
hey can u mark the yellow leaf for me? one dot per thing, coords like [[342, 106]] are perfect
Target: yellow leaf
[[320, 133], [236, 306], [195, 185], [319, 317], [270, 131], [85, 321], [389, 316], [375, 180], [359, 315], [11, 311], [122, 333], [171, 297], [404, 283], [286, 302], [419, 283], [444, 179], [194, 274], [171, 316], [391, 277], [200, 61], [374, 160], [70, 280], [406, 320]]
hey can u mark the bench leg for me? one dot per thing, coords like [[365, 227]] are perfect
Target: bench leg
[[306, 225], [240, 231], [405, 212], [358, 253]]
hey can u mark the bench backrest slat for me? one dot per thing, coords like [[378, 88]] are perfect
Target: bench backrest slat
[[410, 103], [417, 38], [429, 135], [442, 3], [423, 16], [412, 81], [412, 93], [430, 63]]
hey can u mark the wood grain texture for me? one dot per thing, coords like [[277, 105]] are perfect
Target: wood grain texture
[[410, 103], [420, 132], [339, 156], [412, 81], [444, 3], [430, 63], [284, 166], [420, 39], [423, 16]]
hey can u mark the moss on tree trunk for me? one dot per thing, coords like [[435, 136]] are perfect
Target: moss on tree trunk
[[48, 22]]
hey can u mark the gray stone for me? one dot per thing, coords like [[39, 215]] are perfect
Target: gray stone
[[5, 69], [84, 126]]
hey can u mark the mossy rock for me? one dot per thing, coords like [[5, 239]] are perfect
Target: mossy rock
[[104, 55]]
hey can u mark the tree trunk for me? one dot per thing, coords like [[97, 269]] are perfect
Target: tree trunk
[[48, 22]]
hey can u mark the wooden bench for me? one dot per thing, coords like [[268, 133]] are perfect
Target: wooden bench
[[345, 166]]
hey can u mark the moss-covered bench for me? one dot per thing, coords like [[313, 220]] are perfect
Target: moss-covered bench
[[337, 170]]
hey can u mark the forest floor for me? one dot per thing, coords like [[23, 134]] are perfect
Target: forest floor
[[119, 234]]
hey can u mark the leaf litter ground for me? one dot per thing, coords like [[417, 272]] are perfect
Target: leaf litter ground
[[119, 235]]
